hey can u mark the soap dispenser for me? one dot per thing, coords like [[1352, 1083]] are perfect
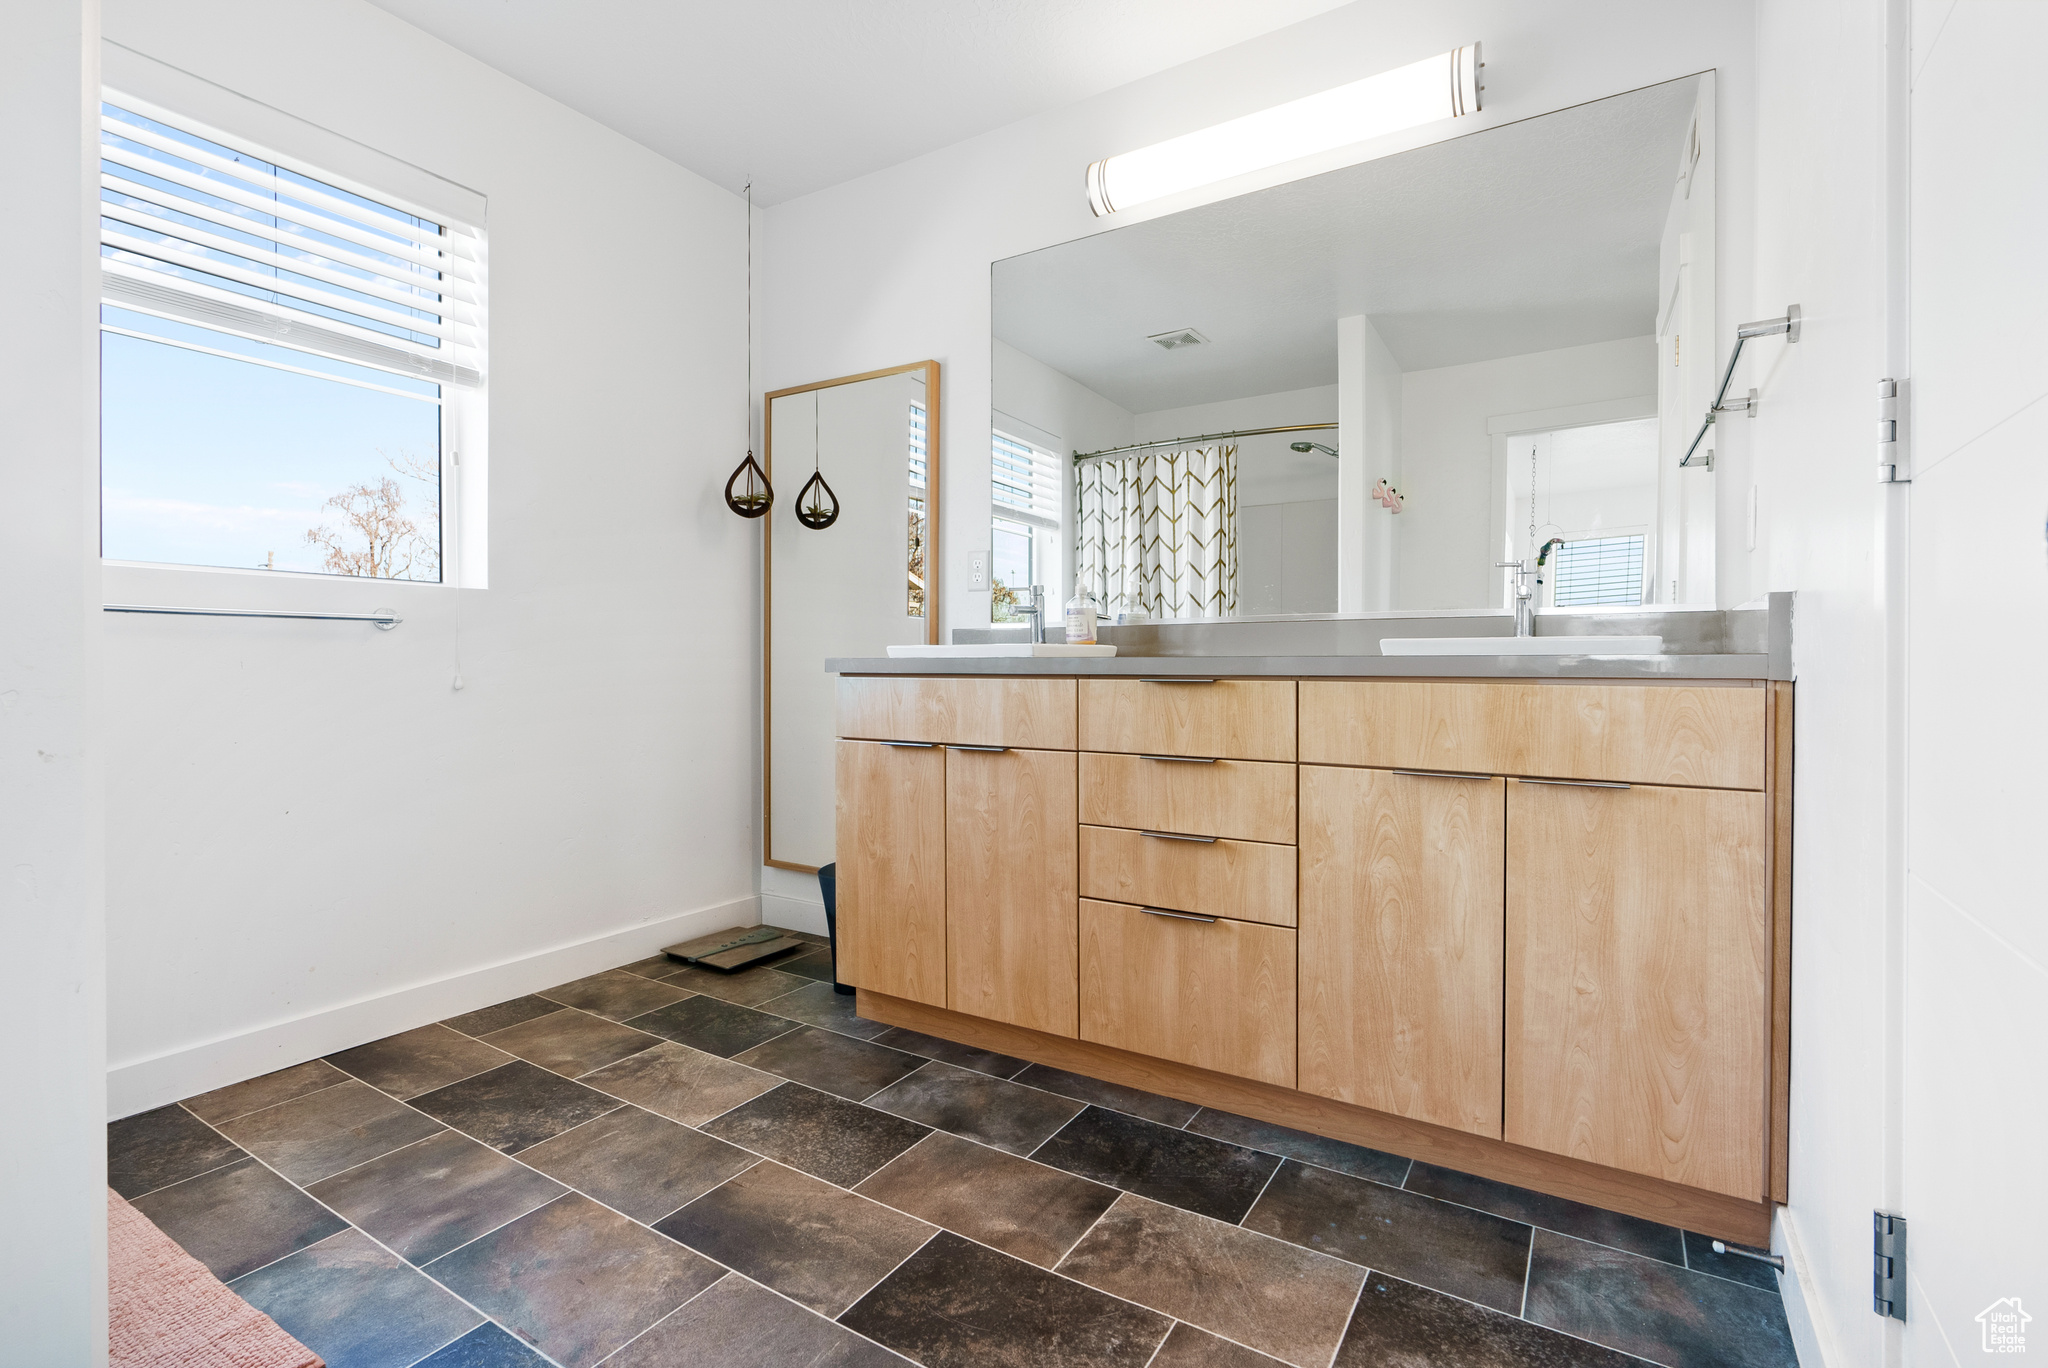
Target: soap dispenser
[[1081, 618]]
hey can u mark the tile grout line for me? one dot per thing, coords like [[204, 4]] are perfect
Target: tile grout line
[[1240, 1221], [347, 1224], [1349, 1317], [203, 1173], [346, 1077], [1684, 1254], [1528, 1273]]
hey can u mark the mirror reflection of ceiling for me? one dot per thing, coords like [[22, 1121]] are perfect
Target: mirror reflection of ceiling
[[1533, 236]]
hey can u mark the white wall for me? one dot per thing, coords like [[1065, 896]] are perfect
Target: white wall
[[1975, 951], [1450, 533], [53, 1283], [1369, 446], [315, 839], [894, 266]]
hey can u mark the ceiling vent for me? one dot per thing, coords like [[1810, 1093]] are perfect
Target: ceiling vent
[[1178, 338]]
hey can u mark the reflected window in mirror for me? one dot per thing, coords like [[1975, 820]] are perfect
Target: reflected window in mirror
[[1588, 496], [1027, 530], [920, 498]]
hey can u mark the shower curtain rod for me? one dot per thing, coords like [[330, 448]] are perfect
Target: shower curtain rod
[[1081, 456]]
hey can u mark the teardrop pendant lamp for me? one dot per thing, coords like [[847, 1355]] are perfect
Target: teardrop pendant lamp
[[811, 510], [758, 496]]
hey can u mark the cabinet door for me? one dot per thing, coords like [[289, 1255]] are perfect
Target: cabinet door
[[1638, 980], [1401, 943], [1215, 994], [892, 869], [1010, 877]]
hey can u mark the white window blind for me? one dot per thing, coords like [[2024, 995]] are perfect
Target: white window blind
[[1025, 484], [1599, 570], [203, 233]]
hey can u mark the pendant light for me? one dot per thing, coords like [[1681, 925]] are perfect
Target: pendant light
[[757, 496], [811, 509]]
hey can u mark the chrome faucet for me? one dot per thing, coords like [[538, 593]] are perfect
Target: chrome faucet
[[1034, 608], [1525, 597]]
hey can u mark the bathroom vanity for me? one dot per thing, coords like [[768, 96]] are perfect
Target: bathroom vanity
[[1525, 918]]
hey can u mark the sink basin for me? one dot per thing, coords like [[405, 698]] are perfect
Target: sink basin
[[1003, 649], [1508, 645]]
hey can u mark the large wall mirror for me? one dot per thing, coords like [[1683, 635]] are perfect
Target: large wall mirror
[[1360, 391], [853, 588]]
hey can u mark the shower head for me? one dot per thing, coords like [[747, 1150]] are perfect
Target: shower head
[[1312, 446]]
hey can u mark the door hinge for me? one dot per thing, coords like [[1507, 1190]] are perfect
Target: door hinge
[[1891, 452], [1888, 1264]]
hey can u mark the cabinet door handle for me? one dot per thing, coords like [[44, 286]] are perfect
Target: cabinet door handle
[[1177, 679], [1177, 836], [996, 750], [1577, 783], [1183, 759], [912, 745], [1177, 916], [1441, 774]]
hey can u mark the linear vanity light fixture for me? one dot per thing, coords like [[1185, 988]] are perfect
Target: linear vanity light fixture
[[1441, 87]]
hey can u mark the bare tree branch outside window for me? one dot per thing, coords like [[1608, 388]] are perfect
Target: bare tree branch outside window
[[378, 538]]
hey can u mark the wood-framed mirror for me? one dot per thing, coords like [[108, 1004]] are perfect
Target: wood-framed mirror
[[855, 588]]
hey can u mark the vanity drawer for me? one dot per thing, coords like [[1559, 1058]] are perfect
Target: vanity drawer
[[1700, 736], [1237, 719], [1034, 713], [1215, 994], [1245, 800], [1243, 880]]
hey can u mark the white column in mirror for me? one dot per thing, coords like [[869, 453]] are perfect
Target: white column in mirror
[[1368, 450], [1687, 367]]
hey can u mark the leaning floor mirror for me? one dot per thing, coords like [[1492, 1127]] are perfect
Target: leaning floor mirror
[[851, 539]]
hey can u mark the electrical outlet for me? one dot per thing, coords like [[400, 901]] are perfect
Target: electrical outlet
[[977, 570]]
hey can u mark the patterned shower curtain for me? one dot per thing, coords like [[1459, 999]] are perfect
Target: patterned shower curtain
[[1159, 529]]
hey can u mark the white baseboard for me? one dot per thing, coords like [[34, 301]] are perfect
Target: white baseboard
[[793, 914], [141, 1084], [1810, 1337]]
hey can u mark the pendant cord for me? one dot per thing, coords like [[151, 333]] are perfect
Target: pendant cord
[[749, 193], [817, 407]]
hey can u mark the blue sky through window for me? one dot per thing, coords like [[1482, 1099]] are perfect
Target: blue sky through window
[[211, 461]]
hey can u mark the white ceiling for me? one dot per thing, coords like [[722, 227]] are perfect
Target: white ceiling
[[802, 94], [1537, 235]]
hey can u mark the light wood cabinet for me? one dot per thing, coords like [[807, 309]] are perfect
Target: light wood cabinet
[[1235, 719], [1401, 943], [1706, 735], [891, 834], [1639, 978], [1215, 994], [1039, 713], [1010, 836], [1537, 929], [1242, 799], [1244, 880]]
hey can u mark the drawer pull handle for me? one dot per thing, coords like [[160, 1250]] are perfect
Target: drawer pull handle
[[997, 750], [1177, 679], [1576, 783], [1441, 774], [1183, 759], [1177, 916], [1177, 836], [912, 745]]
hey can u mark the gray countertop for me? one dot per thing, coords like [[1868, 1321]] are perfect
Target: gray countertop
[[1720, 666]]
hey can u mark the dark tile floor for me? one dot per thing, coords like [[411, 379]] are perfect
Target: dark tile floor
[[660, 1165]]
